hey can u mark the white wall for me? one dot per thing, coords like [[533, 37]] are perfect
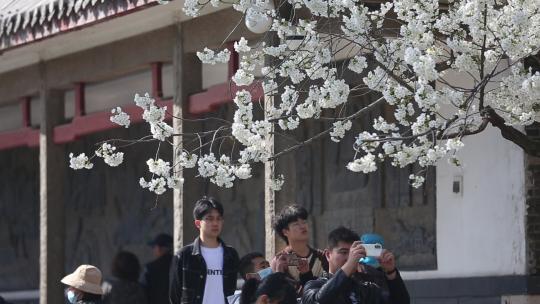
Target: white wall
[[482, 232], [10, 116]]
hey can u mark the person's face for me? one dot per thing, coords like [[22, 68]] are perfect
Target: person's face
[[297, 231], [259, 263], [159, 251], [264, 299], [338, 255], [74, 290], [211, 224]]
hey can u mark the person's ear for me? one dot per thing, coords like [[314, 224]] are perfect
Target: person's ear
[[198, 224], [263, 299], [327, 253], [285, 232]]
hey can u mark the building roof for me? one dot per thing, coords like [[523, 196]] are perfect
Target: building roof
[[18, 15], [23, 21]]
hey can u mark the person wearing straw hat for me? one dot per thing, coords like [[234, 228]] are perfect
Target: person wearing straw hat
[[84, 285]]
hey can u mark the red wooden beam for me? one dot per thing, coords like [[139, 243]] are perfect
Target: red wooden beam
[[98, 122], [219, 95], [19, 138], [25, 136], [223, 93], [80, 101], [26, 112], [78, 127], [157, 81], [234, 61]]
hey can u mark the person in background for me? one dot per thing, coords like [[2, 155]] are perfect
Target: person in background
[[252, 263], [252, 266], [273, 289], [155, 278], [124, 288], [83, 285]]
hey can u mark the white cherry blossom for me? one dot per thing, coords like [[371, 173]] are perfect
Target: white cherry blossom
[[80, 161], [120, 118]]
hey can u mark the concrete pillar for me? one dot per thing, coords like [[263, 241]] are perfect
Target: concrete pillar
[[187, 80], [51, 216], [286, 165], [274, 201]]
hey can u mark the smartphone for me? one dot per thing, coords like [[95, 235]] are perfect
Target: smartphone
[[373, 250], [292, 259]]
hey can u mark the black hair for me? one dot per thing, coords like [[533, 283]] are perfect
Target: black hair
[[125, 266], [289, 214], [341, 234], [246, 265], [205, 205], [275, 286]]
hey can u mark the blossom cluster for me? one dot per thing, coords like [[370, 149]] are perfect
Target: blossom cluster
[[110, 157], [208, 56], [120, 118], [154, 115], [80, 161], [162, 178]]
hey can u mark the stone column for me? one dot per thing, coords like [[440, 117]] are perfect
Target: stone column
[[51, 216], [269, 194], [187, 80], [286, 165]]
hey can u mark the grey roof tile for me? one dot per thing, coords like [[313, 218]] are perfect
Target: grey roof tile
[[17, 15]]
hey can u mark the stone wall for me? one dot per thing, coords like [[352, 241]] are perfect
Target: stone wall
[[19, 219], [532, 222]]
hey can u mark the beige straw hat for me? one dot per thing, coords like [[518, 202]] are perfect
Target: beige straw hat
[[86, 278]]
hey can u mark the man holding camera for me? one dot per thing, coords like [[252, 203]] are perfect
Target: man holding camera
[[349, 282], [298, 259]]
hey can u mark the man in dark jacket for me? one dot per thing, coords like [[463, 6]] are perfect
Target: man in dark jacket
[[349, 282], [205, 271], [155, 278]]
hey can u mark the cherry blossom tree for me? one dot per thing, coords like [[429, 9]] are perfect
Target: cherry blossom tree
[[403, 51]]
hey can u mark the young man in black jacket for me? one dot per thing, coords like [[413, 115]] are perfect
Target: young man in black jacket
[[205, 271], [349, 282]]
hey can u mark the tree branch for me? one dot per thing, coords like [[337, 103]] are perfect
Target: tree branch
[[512, 134], [466, 132]]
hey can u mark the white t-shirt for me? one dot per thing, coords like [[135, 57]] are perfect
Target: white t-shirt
[[213, 290]]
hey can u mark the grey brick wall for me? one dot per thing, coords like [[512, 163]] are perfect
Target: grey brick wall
[[532, 226]]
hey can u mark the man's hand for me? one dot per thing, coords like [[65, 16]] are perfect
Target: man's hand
[[303, 265], [388, 264], [356, 252], [279, 263]]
